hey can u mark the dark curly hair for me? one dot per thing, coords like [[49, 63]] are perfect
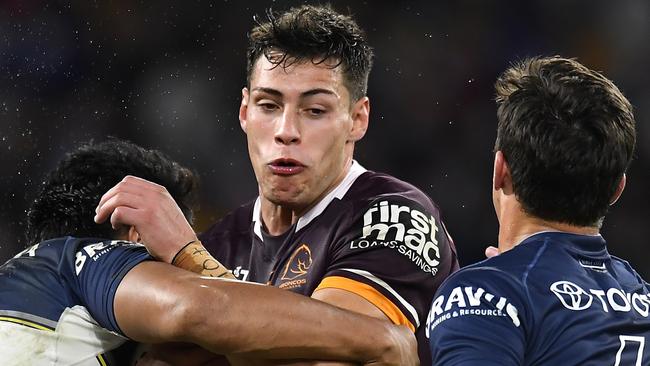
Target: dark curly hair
[[316, 34], [568, 135], [65, 203]]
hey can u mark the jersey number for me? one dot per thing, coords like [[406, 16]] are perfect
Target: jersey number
[[628, 346]]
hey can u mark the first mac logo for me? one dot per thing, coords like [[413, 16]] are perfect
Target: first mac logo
[[411, 232]]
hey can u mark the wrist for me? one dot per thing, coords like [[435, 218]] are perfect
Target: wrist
[[195, 258], [168, 252], [182, 250]]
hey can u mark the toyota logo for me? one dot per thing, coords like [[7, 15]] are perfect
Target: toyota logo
[[572, 296]]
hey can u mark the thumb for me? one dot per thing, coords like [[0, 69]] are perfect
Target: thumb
[[491, 252]]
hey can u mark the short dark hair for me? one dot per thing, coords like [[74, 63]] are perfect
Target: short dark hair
[[65, 202], [568, 135], [316, 34]]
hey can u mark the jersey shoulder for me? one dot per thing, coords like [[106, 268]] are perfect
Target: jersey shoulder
[[627, 275], [533, 256], [374, 185], [507, 273], [57, 274]]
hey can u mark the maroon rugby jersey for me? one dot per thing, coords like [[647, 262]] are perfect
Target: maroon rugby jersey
[[373, 235]]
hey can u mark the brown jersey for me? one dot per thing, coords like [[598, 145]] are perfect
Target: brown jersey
[[373, 235]]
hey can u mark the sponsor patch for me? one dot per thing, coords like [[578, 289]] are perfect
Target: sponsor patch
[[96, 250], [463, 301], [409, 231], [574, 297]]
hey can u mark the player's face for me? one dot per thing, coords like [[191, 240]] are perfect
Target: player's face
[[301, 129]]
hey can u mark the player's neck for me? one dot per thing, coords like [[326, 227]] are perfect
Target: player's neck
[[516, 225], [277, 219]]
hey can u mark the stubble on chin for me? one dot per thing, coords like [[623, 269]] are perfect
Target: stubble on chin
[[287, 195]]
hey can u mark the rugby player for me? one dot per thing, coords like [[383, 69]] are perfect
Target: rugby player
[[554, 296], [322, 226], [85, 288]]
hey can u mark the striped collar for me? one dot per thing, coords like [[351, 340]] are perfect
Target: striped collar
[[338, 192]]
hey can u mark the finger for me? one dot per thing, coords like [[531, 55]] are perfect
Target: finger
[[119, 199], [141, 182], [122, 186], [123, 215], [131, 184], [491, 252]]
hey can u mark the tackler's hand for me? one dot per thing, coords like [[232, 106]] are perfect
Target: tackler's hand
[[152, 211]]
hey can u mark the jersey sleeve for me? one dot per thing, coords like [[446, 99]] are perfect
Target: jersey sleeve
[[394, 254], [98, 269], [477, 318]]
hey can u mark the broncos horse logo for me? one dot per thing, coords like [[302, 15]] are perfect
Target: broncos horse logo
[[299, 263]]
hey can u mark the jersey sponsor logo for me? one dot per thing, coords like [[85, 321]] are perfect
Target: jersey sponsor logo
[[297, 266], [574, 297], [95, 251], [469, 300], [409, 231]]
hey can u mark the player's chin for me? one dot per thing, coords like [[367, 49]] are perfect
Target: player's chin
[[288, 196]]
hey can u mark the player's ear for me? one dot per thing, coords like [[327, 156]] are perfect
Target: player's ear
[[243, 109], [360, 114], [501, 173], [619, 190]]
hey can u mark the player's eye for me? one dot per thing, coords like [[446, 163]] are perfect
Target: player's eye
[[315, 112], [267, 106]]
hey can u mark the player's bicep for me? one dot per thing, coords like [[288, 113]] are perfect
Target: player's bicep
[[350, 301], [149, 302]]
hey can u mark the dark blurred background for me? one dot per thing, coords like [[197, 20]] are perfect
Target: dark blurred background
[[168, 75]]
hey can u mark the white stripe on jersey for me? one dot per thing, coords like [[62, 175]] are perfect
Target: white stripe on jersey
[[355, 171], [386, 286]]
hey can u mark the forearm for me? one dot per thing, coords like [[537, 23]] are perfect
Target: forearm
[[282, 325], [156, 302]]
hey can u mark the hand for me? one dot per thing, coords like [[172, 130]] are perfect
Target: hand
[[491, 252], [152, 211], [404, 350]]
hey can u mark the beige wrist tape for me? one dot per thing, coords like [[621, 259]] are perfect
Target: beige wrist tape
[[195, 258]]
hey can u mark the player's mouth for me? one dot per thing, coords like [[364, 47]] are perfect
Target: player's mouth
[[286, 166]]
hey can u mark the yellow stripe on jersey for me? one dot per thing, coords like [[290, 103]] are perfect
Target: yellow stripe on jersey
[[100, 358], [369, 293], [25, 323]]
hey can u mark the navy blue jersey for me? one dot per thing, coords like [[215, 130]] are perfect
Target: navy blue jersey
[[554, 299], [56, 300], [373, 235]]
